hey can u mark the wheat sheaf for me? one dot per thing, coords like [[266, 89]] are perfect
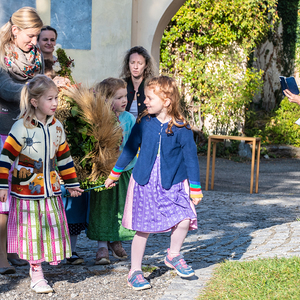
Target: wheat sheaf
[[104, 127]]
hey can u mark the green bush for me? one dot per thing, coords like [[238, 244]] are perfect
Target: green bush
[[279, 126], [282, 128], [206, 47]]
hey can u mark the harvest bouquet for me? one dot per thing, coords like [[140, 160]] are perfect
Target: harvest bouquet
[[92, 128]]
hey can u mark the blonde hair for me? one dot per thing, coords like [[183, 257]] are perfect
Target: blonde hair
[[24, 18], [35, 88], [166, 88], [109, 86]]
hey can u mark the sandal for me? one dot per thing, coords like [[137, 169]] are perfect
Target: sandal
[[75, 259], [117, 250], [44, 289]]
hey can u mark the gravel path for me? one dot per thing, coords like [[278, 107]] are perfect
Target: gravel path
[[232, 225]]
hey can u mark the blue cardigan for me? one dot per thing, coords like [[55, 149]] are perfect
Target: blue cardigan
[[178, 153]]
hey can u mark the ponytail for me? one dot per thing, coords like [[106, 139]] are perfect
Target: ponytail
[[26, 108], [33, 89]]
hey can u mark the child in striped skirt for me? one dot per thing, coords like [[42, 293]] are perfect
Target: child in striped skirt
[[37, 145]]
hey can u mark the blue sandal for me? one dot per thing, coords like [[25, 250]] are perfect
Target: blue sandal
[[138, 282]]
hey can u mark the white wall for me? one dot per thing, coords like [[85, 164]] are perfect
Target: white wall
[[110, 38], [117, 25]]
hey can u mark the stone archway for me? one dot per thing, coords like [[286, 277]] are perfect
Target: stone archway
[[149, 20]]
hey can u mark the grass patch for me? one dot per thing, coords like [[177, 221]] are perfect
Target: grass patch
[[149, 268], [262, 279]]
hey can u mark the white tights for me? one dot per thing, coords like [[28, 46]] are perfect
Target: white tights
[[139, 242]]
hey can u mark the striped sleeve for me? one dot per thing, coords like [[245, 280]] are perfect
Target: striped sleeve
[[115, 173], [66, 166], [195, 190], [10, 151]]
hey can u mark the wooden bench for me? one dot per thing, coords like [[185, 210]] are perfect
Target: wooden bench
[[221, 138]]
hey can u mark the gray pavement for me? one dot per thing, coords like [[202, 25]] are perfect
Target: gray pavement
[[233, 224], [237, 225]]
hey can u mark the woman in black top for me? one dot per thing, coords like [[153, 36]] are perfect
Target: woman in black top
[[137, 67]]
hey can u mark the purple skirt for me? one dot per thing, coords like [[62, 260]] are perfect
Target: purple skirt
[[151, 208]]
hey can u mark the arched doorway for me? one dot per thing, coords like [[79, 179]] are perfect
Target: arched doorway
[[149, 20]]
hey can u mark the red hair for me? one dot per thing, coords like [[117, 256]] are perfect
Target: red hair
[[166, 88]]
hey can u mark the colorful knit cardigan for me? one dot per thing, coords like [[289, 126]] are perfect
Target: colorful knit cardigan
[[38, 154]]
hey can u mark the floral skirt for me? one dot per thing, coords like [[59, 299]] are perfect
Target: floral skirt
[[38, 230], [151, 208]]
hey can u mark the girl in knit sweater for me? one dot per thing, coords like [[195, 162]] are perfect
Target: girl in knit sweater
[[164, 179], [37, 144]]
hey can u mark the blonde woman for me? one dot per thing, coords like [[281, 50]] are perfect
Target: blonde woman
[[20, 61]]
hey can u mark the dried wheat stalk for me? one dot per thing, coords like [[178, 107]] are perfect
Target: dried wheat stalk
[[96, 111]]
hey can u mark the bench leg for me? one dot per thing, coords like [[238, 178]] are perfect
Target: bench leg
[[207, 165], [213, 165], [257, 166], [252, 166]]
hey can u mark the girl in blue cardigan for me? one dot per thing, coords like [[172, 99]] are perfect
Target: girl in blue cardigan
[[164, 179]]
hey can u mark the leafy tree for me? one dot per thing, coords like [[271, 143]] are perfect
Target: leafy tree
[[207, 47]]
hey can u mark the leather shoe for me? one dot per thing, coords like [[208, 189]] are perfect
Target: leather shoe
[[7, 270], [117, 250], [17, 261], [102, 256]]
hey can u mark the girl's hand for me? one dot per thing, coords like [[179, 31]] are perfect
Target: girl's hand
[[3, 195], [292, 97], [196, 200], [109, 183], [75, 192]]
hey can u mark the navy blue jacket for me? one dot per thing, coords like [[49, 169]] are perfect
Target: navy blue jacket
[[178, 153]]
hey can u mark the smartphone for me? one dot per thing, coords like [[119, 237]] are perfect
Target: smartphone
[[289, 83]]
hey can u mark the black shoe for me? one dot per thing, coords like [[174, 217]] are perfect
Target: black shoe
[[75, 259]]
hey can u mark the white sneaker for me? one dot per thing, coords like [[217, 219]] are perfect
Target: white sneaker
[[44, 289]]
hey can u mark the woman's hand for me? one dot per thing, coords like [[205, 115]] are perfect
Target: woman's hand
[[292, 97], [61, 81], [3, 195], [196, 200], [109, 183], [75, 192]]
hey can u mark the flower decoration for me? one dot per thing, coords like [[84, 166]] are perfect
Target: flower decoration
[[65, 63], [57, 46], [56, 67]]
